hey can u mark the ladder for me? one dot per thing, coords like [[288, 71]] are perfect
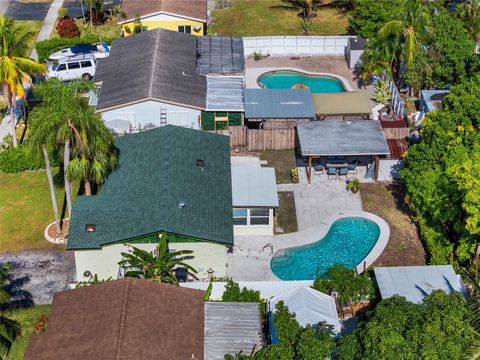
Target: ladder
[[163, 116]]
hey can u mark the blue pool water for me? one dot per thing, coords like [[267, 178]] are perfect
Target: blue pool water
[[348, 242], [288, 79]]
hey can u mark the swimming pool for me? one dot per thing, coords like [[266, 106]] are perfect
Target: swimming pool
[[348, 242], [290, 79]]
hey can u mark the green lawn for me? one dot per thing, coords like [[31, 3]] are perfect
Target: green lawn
[[283, 161], [109, 30], [30, 25], [27, 318], [261, 18], [26, 209], [286, 214]]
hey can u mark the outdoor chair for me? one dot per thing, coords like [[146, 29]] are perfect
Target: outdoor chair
[[318, 169], [331, 171], [343, 172], [352, 167]]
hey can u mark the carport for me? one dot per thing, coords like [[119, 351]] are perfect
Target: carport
[[339, 139]]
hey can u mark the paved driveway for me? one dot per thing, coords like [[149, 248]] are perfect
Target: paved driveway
[[37, 275], [27, 11]]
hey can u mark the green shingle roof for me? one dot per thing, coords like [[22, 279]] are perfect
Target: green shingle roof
[[157, 170]]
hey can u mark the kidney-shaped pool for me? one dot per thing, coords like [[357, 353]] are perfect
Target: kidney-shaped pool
[[292, 79], [348, 242]]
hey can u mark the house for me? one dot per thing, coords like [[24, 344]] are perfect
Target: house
[[162, 77], [349, 105], [277, 108], [170, 179], [354, 51], [254, 199], [430, 100], [186, 16], [143, 320], [416, 282], [309, 306]]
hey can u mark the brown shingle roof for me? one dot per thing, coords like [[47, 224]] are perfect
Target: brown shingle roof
[[194, 9], [123, 319]]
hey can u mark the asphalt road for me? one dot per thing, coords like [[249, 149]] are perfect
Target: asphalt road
[[26, 11]]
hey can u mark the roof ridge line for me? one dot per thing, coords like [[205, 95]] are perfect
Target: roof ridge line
[[154, 61], [121, 330]]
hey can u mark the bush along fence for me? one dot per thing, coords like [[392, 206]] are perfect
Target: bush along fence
[[296, 45], [46, 47]]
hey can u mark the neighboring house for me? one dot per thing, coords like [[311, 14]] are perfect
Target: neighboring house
[[354, 51], [277, 108], [170, 179], [430, 100], [186, 16], [163, 77], [144, 320], [254, 193], [416, 282]]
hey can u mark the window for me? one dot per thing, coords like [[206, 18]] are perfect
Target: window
[[74, 65], [259, 217], [187, 29], [85, 64], [240, 216], [61, 67], [200, 162]]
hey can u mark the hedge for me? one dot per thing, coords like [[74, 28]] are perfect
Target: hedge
[[45, 48], [17, 159]]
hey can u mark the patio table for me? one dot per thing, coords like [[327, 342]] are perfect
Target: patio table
[[337, 165]]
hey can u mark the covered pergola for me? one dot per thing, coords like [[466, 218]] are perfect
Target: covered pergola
[[342, 105], [341, 139]]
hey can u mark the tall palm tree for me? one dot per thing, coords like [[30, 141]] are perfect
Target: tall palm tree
[[412, 25], [9, 329], [470, 12], [15, 70], [307, 10], [159, 267]]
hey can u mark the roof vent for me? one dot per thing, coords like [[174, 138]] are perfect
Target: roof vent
[[181, 204], [90, 228], [200, 162]]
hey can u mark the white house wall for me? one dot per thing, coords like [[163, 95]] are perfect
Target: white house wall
[[148, 112], [104, 262], [259, 230]]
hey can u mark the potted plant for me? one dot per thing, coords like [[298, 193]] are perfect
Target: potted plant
[[353, 185], [294, 175]]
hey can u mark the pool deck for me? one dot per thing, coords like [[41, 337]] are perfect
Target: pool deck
[[252, 254]]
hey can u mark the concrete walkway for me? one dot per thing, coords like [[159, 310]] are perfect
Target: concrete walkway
[[48, 25], [4, 4]]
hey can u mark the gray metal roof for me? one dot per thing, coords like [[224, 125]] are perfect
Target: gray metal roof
[[231, 328], [220, 55], [225, 93], [278, 104], [344, 138], [254, 187], [415, 282]]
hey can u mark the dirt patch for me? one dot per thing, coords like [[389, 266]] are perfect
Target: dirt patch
[[404, 247], [282, 160], [286, 219]]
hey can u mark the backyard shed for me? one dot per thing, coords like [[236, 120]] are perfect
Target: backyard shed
[[341, 139], [342, 106], [354, 51], [415, 282], [273, 108], [430, 100], [310, 307], [231, 328]]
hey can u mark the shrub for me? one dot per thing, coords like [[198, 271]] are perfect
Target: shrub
[[233, 293], [17, 159], [62, 12], [67, 28], [46, 47], [41, 325]]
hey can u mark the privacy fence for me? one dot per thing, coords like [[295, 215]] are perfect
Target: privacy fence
[[296, 45]]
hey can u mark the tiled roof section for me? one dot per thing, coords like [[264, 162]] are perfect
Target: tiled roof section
[[158, 64], [157, 170], [195, 9], [120, 320]]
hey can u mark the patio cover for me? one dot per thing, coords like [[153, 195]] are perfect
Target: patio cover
[[343, 103], [342, 138], [310, 306], [415, 282], [254, 187]]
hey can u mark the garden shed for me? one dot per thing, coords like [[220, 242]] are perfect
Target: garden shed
[[354, 51]]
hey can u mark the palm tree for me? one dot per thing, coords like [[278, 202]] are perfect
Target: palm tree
[[470, 12], [9, 329], [411, 25], [159, 267], [307, 10], [15, 70]]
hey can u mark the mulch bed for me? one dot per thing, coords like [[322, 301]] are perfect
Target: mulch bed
[[64, 224]]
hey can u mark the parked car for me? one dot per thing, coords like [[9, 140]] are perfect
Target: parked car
[[72, 68], [97, 50]]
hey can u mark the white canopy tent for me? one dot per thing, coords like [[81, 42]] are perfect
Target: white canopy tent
[[310, 306]]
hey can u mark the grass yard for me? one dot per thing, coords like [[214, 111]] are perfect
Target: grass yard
[[26, 209], [27, 318], [286, 219], [282, 160], [109, 30], [261, 18], [404, 246], [30, 25]]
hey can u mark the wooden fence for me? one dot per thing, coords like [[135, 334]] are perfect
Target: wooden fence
[[396, 133], [260, 139]]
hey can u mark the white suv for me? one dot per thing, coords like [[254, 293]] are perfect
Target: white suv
[[72, 68]]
